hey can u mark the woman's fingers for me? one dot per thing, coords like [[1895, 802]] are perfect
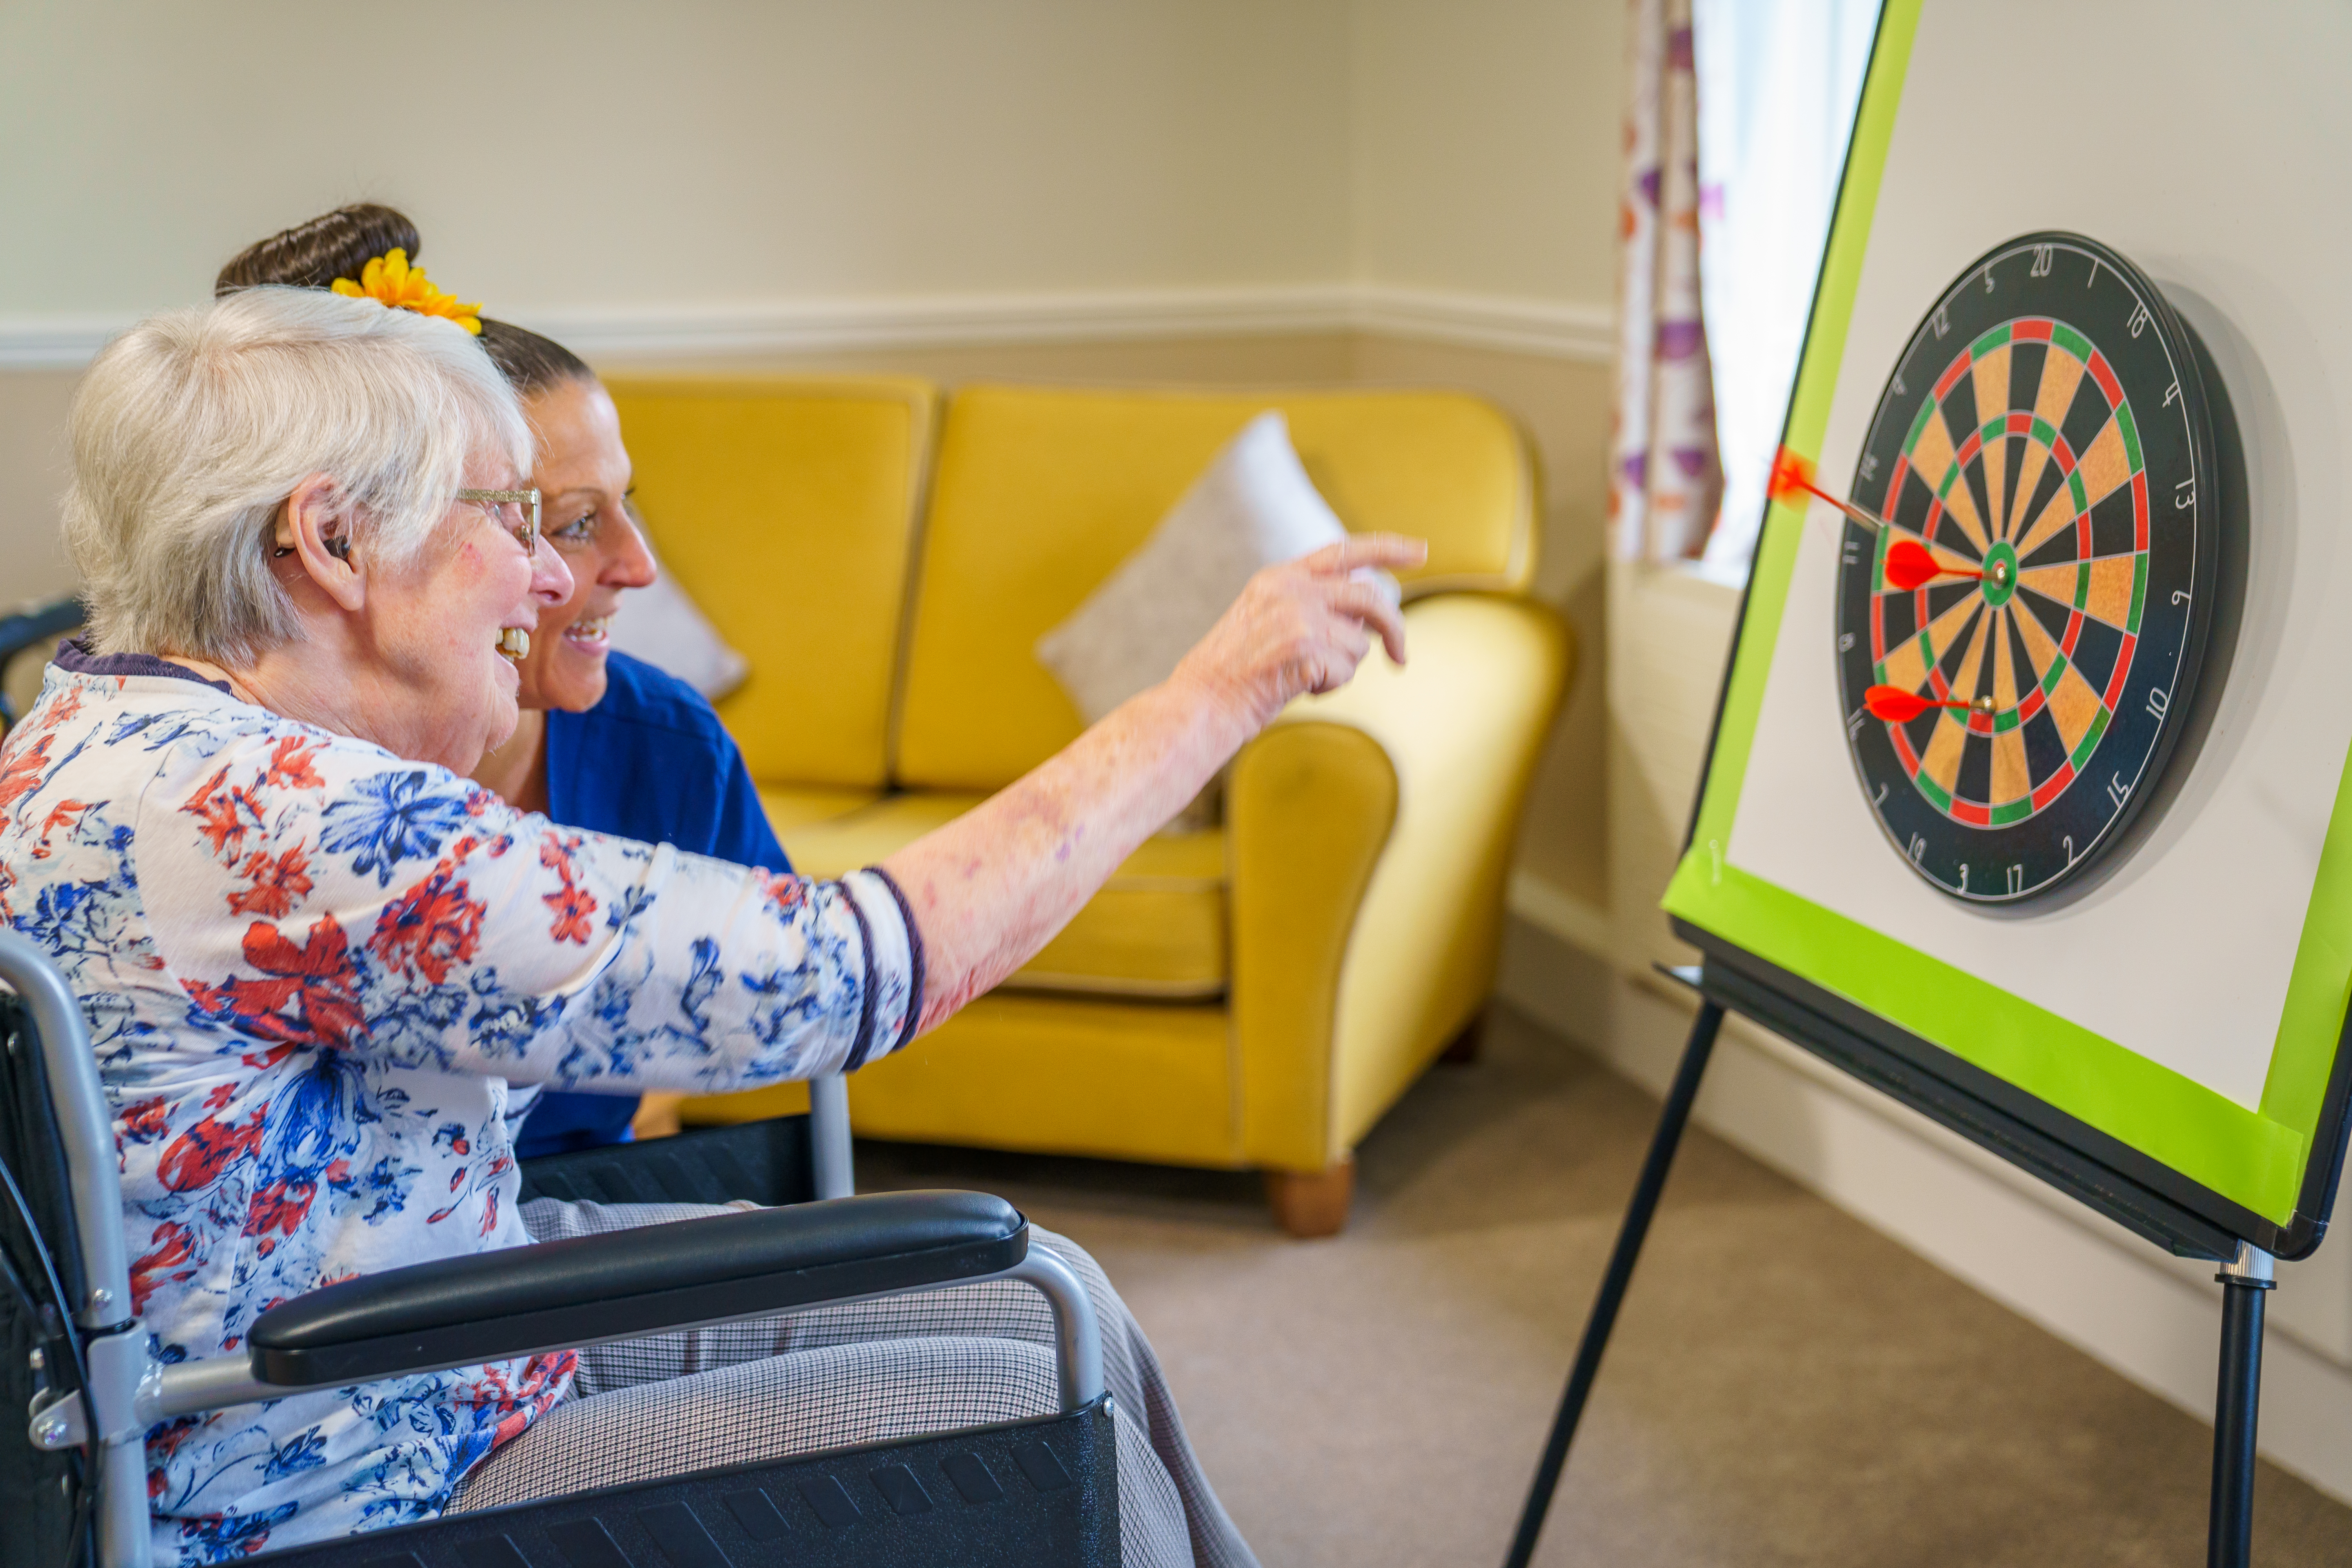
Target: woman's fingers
[[1370, 596], [1383, 551], [1305, 626], [1341, 654], [1371, 603]]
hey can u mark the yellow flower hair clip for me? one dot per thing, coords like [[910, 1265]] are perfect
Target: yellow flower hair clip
[[393, 283]]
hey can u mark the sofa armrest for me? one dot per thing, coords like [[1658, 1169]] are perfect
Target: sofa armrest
[[1370, 833], [1309, 808], [522, 1301]]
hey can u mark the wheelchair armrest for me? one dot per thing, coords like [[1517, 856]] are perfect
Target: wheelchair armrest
[[522, 1301]]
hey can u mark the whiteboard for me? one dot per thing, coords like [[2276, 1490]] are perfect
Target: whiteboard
[[2202, 147]]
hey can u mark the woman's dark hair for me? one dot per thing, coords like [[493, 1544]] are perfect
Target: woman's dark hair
[[341, 243], [532, 363]]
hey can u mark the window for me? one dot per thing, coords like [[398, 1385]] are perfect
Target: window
[[1778, 83]]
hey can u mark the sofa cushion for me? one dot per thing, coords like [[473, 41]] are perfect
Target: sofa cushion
[[1156, 930], [786, 507], [1037, 494]]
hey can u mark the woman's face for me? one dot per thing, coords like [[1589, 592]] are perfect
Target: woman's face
[[583, 478], [435, 685]]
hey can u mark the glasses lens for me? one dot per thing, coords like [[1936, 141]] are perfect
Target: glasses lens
[[519, 518]]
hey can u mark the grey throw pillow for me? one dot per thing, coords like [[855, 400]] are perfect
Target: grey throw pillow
[[1252, 508]]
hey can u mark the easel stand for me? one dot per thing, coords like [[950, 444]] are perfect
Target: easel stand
[[2245, 1278]]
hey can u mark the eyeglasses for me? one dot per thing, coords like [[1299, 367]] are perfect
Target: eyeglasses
[[524, 521]]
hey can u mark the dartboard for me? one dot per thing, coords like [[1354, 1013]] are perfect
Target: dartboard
[[2046, 437]]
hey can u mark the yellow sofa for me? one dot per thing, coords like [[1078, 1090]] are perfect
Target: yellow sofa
[[1255, 995]]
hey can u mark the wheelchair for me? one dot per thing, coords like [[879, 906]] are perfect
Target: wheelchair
[[73, 1484]]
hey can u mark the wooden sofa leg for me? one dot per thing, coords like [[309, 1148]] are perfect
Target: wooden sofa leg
[[1310, 1203], [1464, 1048]]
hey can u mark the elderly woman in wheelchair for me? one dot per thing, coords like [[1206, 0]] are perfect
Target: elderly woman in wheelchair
[[312, 954]]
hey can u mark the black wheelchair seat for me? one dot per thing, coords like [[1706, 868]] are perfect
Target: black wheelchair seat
[[767, 1162]]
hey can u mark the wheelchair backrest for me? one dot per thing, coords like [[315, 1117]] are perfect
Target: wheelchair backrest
[[40, 1257]]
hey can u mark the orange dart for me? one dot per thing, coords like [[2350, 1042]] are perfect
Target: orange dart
[[1897, 706], [1793, 471]]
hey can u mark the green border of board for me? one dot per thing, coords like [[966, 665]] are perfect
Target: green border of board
[[2254, 1158]]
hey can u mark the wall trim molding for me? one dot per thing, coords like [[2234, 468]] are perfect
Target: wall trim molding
[[1581, 332], [1585, 333]]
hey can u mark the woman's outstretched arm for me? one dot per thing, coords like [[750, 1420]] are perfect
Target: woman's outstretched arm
[[992, 886]]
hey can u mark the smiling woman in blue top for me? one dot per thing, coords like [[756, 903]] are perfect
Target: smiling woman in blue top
[[603, 741]]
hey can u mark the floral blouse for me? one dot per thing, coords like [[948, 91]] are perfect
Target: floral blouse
[[311, 970]]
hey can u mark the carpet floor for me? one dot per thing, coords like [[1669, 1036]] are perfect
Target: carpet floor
[[1786, 1386]]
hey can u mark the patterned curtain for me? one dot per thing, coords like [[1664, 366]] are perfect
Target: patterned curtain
[[1665, 474]]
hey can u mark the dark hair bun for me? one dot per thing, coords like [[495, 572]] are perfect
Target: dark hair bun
[[313, 255]]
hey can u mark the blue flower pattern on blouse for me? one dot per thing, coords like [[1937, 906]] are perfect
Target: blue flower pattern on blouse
[[311, 970], [396, 817]]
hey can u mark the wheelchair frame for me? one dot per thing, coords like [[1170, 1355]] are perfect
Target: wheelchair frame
[[1039, 1491]]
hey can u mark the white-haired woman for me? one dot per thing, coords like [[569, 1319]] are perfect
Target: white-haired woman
[[312, 954]]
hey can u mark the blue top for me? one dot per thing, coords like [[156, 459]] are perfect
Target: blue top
[[650, 762]]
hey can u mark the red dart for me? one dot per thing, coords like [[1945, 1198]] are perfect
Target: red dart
[[1897, 706], [1909, 566]]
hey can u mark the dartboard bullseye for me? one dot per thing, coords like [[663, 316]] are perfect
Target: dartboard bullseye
[[2018, 646]]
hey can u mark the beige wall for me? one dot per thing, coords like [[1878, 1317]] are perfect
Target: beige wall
[[1485, 139], [576, 158], [1484, 162], [699, 152], [33, 467]]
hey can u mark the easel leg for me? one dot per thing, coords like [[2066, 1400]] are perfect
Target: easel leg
[[2229, 1538], [1630, 1236]]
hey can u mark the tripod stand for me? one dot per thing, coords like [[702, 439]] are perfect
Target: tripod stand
[[2246, 1275]]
